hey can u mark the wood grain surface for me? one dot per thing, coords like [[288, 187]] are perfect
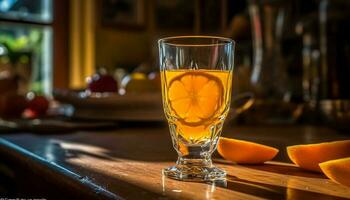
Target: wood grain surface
[[127, 163]]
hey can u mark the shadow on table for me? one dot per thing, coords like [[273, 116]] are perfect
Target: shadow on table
[[135, 150], [272, 191], [139, 145], [286, 169], [277, 168]]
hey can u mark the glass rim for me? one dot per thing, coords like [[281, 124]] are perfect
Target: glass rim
[[221, 41]]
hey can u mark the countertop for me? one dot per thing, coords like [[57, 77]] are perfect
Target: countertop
[[126, 163]]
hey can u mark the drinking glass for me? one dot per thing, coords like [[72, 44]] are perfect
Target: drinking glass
[[196, 76]]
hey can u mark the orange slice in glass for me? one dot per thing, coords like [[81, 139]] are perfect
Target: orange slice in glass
[[195, 97]]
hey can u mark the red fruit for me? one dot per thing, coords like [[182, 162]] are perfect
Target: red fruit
[[29, 114], [102, 83], [37, 104], [12, 105]]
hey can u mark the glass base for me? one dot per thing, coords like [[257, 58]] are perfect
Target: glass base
[[194, 173]]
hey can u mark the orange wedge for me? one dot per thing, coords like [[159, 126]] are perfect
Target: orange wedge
[[195, 96], [244, 152], [309, 156], [337, 170]]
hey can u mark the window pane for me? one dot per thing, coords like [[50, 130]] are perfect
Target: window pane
[[28, 10], [28, 50]]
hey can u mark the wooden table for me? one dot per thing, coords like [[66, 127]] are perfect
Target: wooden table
[[126, 164]]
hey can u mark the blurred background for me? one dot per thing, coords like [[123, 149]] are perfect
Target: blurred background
[[293, 57]]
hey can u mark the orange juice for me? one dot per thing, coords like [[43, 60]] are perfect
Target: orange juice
[[196, 102]]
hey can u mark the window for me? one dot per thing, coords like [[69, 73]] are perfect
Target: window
[[26, 40]]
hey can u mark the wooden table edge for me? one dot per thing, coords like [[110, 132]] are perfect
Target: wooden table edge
[[76, 185]]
